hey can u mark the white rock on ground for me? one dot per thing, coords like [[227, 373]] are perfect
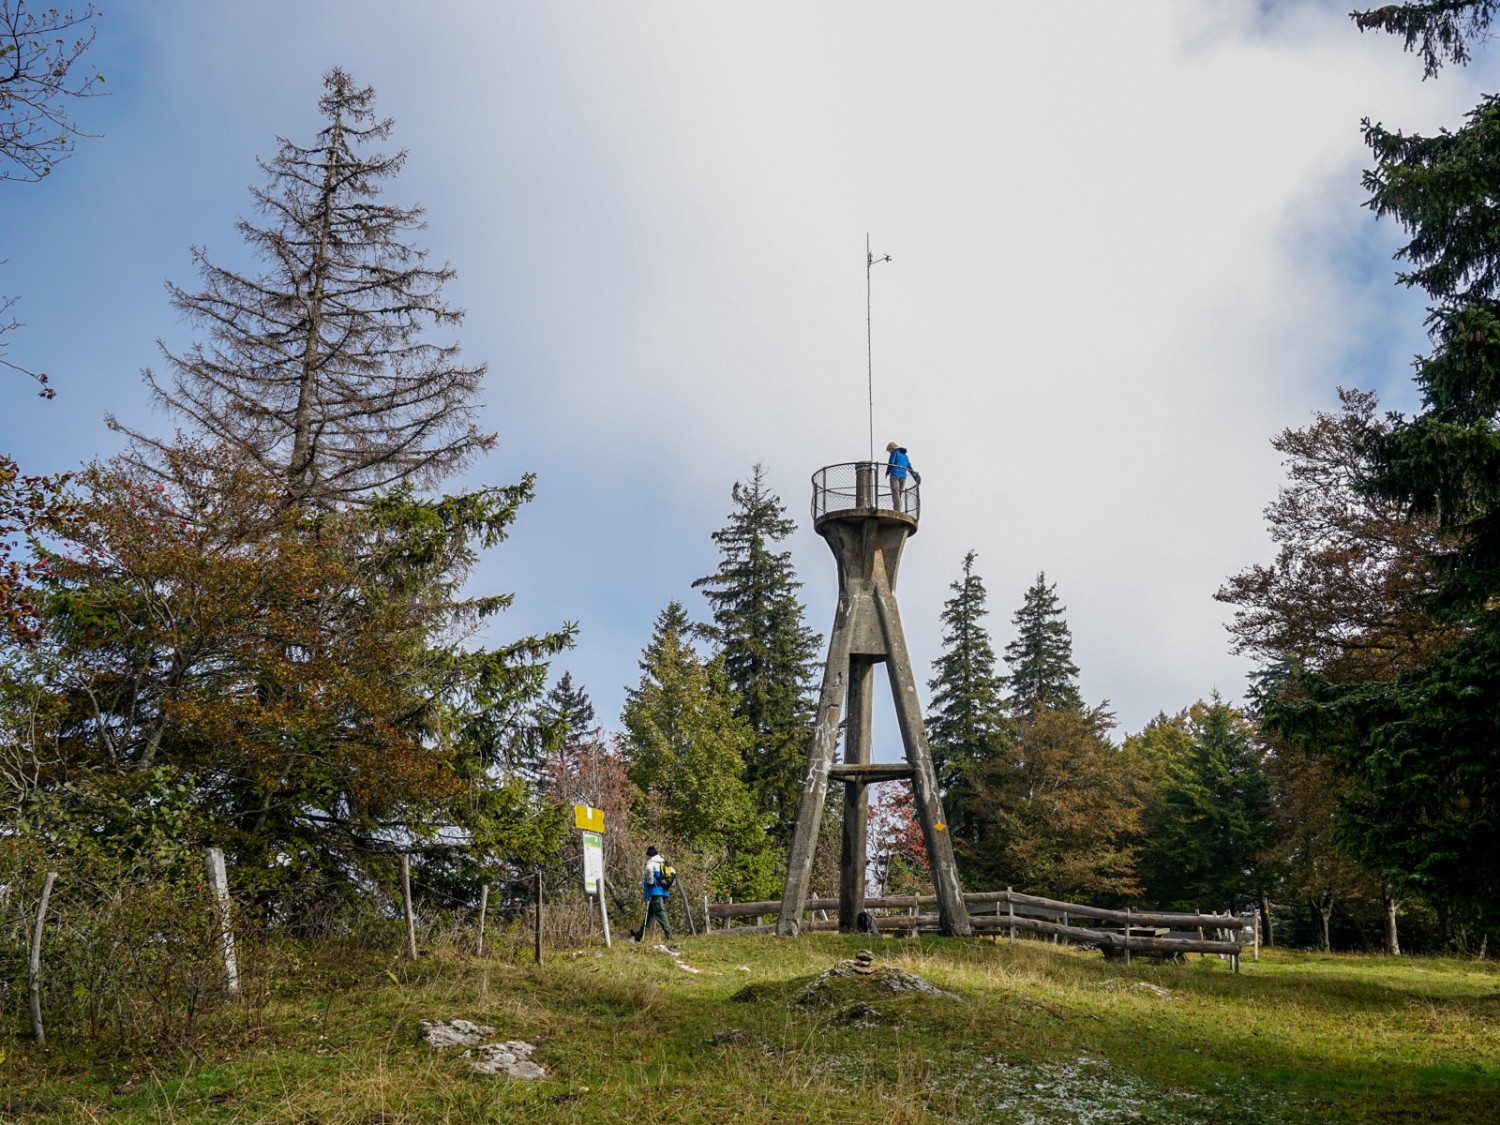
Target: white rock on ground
[[513, 1057], [441, 1034]]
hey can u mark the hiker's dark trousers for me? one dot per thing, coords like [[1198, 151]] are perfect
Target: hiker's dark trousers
[[656, 911]]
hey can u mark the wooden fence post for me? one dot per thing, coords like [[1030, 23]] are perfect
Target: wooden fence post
[[539, 916], [708, 924], [411, 918], [1010, 908], [34, 965], [1127, 937], [218, 882], [484, 906], [687, 908]]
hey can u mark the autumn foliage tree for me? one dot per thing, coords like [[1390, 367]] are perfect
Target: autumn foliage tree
[[303, 673], [30, 507], [1055, 813], [1343, 595]]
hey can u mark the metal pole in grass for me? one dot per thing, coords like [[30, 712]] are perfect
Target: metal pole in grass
[[411, 918], [484, 904], [539, 916], [604, 913], [34, 966]]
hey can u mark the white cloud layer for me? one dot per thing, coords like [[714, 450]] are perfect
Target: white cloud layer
[[1127, 249]]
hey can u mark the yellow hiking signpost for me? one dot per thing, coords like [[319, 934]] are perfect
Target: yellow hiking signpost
[[591, 821], [588, 818]]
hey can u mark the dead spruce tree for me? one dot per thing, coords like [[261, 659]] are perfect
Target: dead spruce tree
[[318, 368]]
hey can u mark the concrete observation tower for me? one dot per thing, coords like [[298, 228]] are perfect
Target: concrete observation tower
[[866, 525]]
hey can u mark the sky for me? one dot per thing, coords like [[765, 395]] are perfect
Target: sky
[[1127, 248]]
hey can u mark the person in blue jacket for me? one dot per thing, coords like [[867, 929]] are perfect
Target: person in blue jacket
[[655, 896], [896, 468]]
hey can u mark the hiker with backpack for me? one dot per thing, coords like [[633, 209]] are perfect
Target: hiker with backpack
[[656, 888]]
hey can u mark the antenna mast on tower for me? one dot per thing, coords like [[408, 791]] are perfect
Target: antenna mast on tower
[[870, 261]]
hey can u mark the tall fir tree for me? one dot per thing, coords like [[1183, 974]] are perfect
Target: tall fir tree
[[1419, 751], [320, 368], [1042, 672], [685, 746], [966, 719], [568, 710], [769, 654]]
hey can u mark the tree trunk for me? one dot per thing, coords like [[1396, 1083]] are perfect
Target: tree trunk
[[300, 471], [1324, 907], [1267, 933], [1392, 943]]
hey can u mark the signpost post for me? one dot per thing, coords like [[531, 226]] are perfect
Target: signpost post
[[591, 821]]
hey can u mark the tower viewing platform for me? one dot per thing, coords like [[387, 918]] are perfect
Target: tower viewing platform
[[859, 490]]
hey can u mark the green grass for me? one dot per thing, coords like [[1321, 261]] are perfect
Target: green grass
[[1032, 1033]]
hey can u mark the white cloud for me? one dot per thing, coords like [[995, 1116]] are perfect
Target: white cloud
[[1125, 245]]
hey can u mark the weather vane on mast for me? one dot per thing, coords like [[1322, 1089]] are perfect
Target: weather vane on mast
[[870, 260]]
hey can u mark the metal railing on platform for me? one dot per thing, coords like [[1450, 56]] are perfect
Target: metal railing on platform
[[872, 486]]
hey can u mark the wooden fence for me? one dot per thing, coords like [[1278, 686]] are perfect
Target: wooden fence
[[1151, 932]]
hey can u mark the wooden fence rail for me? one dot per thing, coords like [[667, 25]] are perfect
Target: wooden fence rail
[[1137, 943], [724, 910], [1020, 916]]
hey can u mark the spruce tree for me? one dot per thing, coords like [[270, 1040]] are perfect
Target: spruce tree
[[319, 367], [684, 746], [769, 654], [966, 721], [1204, 836], [1042, 672], [1438, 30], [567, 713]]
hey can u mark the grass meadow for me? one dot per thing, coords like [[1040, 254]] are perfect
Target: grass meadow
[[1029, 1033]]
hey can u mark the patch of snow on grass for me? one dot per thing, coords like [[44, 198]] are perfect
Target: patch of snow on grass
[[1082, 1091]]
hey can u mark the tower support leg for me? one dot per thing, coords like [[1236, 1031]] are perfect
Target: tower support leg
[[815, 785], [953, 915], [855, 850]]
